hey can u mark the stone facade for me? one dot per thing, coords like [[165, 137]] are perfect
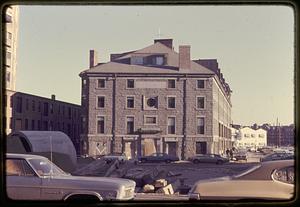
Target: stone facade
[[213, 109]]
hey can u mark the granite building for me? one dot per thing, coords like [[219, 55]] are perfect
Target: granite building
[[155, 100]]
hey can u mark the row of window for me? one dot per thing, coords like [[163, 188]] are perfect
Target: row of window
[[148, 60], [150, 120], [254, 135], [252, 144], [45, 108], [171, 102], [46, 126], [131, 83], [224, 131]]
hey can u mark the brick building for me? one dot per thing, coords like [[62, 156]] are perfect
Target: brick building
[[35, 113], [280, 135], [155, 100]]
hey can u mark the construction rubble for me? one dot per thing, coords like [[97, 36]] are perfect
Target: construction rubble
[[151, 180], [162, 179]]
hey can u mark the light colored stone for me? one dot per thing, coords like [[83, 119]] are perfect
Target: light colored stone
[[148, 188], [160, 183], [167, 190]]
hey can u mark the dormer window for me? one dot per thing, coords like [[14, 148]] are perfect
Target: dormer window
[[137, 60], [159, 60]]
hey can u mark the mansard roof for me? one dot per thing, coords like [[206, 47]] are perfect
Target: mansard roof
[[171, 67]]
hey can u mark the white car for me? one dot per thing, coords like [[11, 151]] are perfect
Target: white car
[[273, 180], [32, 177], [121, 157]]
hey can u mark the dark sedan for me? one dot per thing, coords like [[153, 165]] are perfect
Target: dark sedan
[[208, 158], [158, 157]]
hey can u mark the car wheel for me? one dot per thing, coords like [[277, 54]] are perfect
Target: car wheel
[[195, 161], [168, 161], [143, 160], [219, 162]]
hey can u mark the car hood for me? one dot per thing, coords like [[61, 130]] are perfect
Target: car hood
[[241, 189], [84, 181]]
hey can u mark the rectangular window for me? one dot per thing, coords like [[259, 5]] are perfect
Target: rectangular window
[[200, 83], [51, 108], [136, 60], [39, 125], [130, 125], [39, 107], [8, 38], [27, 104], [101, 83], [101, 102], [130, 83], [33, 105], [130, 102], [200, 102], [69, 113], [26, 124], [200, 125], [19, 105], [45, 125], [32, 124], [171, 125], [150, 120], [46, 108], [171, 102], [159, 60], [100, 125], [171, 83], [7, 76]]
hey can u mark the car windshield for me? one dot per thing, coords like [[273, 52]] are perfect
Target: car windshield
[[45, 168]]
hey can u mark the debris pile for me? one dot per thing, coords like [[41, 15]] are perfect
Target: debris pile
[[159, 186], [99, 167]]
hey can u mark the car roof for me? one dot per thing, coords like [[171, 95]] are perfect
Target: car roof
[[25, 156], [265, 170]]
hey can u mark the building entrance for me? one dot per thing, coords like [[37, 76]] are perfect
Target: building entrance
[[201, 147], [171, 148]]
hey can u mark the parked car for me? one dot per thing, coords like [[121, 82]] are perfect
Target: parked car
[[273, 180], [32, 177], [239, 156], [158, 157], [116, 156], [208, 158], [277, 156]]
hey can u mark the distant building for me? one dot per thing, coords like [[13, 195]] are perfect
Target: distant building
[[155, 100], [281, 135], [10, 44], [251, 138], [35, 113]]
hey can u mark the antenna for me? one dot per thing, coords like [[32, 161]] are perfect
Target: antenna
[[159, 34]]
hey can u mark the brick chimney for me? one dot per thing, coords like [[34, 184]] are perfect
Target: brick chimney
[[166, 42], [184, 57], [93, 58]]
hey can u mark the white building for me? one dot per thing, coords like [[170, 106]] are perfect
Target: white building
[[251, 138], [10, 61]]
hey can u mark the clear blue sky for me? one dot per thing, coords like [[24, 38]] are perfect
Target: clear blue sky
[[253, 45]]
